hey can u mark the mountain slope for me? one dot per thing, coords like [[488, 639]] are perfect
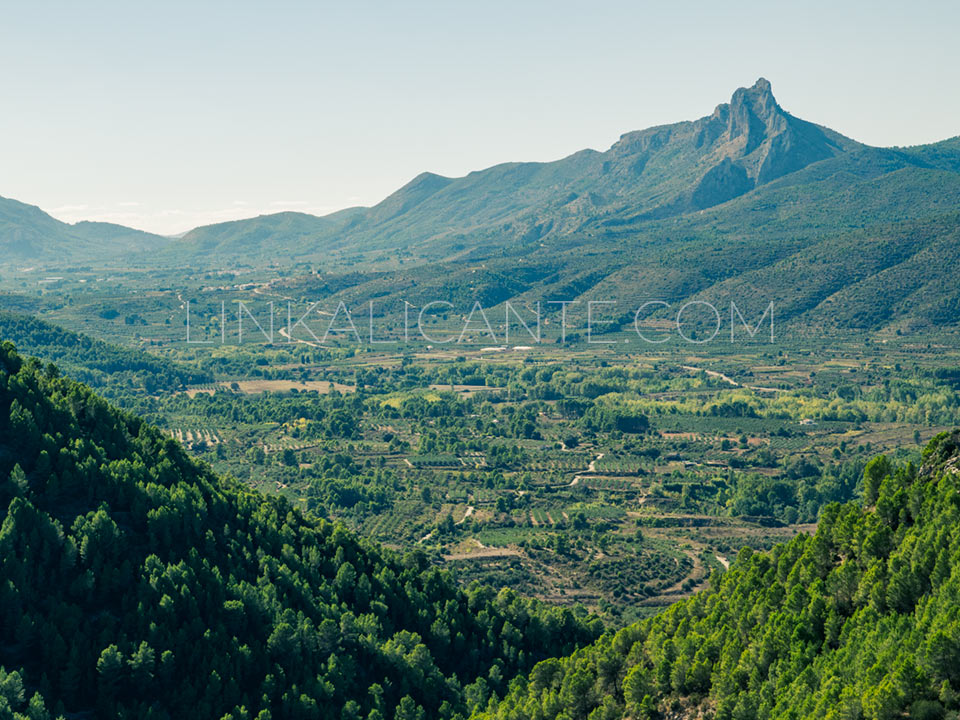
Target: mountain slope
[[748, 202], [831, 245], [859, 620], [26, 231], [135, 583], [254, 235], [28, 234], [109, 368]]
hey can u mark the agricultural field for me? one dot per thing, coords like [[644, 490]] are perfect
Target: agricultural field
[[592, 475]]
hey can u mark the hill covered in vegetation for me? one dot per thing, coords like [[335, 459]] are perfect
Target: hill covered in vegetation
[[859, 620], [136, 583], [28, 234], [109, 368]]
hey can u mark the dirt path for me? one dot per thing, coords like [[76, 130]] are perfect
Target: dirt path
[[259, 290], [730, 380], [712, 373], [284, 333], [483, 551], [591, 468]]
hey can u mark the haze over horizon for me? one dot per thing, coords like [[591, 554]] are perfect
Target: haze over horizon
[[182, 116]]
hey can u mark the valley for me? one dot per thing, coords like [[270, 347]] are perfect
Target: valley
[[579, 475]]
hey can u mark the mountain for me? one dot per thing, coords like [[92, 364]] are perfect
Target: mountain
[[859, 620], [233, 239], [659, 172], [725, 206], [28, 234], [136, 583]]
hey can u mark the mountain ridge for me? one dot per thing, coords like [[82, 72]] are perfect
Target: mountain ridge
[[694, 208], [28, 233], [654, 173]]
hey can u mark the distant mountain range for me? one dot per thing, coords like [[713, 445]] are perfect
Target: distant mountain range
[[29, 234], [748, 200]]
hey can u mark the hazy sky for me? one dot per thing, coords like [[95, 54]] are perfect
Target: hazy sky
[[166, 115]]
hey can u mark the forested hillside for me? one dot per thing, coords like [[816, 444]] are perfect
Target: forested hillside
[[135, 583], [109, 368], [859, 620]]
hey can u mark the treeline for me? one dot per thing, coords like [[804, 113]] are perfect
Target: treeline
[[135, 583]]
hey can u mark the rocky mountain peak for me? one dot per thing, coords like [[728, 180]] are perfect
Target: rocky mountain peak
[[751, 116]]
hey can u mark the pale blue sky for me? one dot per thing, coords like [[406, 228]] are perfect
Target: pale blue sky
[[168, 115]]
